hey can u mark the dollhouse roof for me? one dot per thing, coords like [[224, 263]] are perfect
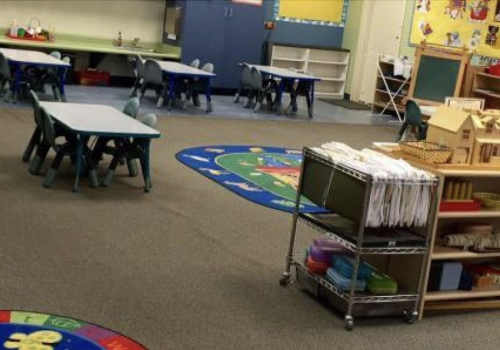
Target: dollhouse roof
[[493, 141], [478, 123], [448, 118]]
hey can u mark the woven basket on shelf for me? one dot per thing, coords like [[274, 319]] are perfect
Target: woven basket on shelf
[[428, 151], [488, 200]]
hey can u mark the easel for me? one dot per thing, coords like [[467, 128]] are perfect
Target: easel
[[461, 55]]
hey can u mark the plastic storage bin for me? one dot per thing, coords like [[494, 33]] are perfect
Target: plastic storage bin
[[345, 266], [343, 283], [380, 283]]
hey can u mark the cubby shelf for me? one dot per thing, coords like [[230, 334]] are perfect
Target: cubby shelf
[[446, 253], [461, 294], [329, 65]]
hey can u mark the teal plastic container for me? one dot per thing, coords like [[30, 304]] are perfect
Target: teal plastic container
[[345, 266], [342, 283]]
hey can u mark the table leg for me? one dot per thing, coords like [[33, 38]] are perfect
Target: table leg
[[16, 83], [208, 96], [62, 82], [79, 161], [279, 97], [171, 91], [146, 171], [310, 108]]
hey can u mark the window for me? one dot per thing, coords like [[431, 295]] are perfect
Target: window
[[465, 134]]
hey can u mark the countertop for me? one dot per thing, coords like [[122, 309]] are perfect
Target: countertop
[[86, 44]]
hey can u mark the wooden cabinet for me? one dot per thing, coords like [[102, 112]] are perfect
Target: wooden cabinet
[[330, 65], [447, 222], [224, 33]]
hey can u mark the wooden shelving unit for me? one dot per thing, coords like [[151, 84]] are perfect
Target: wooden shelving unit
[[390, 91], [487, 86], [330, 65], [462, 299]]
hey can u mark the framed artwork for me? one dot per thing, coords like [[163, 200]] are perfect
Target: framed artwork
[[473, 104]]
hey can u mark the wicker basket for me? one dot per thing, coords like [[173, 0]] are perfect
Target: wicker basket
[[488, 200], [428, 151]]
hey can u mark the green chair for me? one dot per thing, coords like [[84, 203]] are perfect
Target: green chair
[[413, 119], [68, 148], [101, 146], [5, 76], [132, 150], [36, 137]]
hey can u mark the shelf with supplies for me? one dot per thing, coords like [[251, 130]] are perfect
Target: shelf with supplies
[[330, 65], [348, 192], [447, 253], [394, 88], [458, 268], [486, 86]]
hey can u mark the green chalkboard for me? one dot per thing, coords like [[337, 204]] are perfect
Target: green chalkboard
[[436, 78]]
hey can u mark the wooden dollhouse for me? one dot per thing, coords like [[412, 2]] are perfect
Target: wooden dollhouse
[[487, 137], [455, 129]]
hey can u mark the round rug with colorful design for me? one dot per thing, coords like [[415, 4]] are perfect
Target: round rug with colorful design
[[265, 175], [23, 330]]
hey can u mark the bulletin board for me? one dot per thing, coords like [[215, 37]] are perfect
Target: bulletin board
[[474, 24], [324, 12]]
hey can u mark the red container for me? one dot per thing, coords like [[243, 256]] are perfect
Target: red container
[[473, 205], [30, 38], [494, 70], [93, 77]]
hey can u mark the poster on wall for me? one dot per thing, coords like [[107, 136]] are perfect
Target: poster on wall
[[470, 24], [325, 12]]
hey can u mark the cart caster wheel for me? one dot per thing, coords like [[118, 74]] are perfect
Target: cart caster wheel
[[285, 280], [410, 316], [349, 323]]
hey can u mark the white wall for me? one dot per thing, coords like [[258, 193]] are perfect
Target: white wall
[[92, 18]]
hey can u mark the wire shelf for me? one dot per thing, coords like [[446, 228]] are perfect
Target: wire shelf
[[359, 298], [353, 247]]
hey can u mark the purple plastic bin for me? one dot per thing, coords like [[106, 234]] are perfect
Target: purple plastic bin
[[319, 255], [328, 246]]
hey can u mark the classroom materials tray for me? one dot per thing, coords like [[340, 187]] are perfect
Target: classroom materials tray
[[428, 151]]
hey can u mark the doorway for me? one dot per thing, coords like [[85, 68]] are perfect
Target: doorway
[[380, 33]]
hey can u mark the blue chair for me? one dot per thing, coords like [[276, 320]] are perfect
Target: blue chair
[[413, 119]]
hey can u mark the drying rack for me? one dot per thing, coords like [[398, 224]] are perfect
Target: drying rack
[[346, 192]]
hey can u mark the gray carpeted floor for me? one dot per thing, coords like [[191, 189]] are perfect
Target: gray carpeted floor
[[190, 265]]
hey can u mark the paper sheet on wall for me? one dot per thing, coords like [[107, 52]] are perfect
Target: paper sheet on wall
[[474, 24], [322, 10]]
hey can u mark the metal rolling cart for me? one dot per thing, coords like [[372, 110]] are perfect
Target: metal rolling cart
[[346, 192]]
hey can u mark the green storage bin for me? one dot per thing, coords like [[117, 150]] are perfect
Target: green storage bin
[[380, 283]]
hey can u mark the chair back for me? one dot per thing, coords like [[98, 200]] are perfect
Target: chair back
[[4, 67], [246, 75], [208, 67], [48, 130], [195, 63], [56, 54], [139, 66], [413, 114], [256, 79], [132, 107], [66, 59], [153, 73], [37, 113], [148, 119]]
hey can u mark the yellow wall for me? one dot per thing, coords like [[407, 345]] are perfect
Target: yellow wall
[[100, 19], [324, 10]]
